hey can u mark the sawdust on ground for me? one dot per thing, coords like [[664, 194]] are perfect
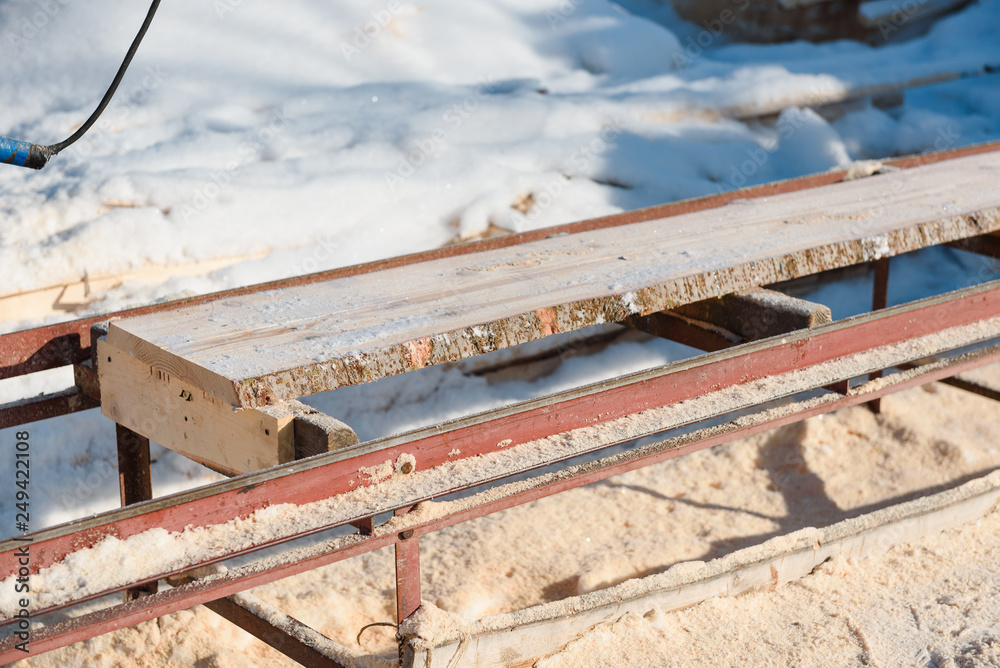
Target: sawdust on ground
[[932, 602]]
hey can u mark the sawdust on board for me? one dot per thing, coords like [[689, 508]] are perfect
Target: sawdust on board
[[708, 503]]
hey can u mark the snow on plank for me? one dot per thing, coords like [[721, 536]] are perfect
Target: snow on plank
[[264, 348]]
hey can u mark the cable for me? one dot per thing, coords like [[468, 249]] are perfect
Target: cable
[[34, 156]]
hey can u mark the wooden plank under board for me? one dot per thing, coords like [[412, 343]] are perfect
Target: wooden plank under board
[[74, 295]]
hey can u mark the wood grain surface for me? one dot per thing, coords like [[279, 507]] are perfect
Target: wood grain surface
[[258, 349]]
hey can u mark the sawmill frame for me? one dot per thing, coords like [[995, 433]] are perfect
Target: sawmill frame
[[801, 345]]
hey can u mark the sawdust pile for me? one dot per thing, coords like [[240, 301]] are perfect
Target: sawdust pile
[[931, 603], [928, 603]]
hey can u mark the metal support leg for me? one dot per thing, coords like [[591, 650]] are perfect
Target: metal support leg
[[366, 526], [841, 386], [880, 299], [407, 585], [135, 485], [407, 573], [282, 632], [974, 387]]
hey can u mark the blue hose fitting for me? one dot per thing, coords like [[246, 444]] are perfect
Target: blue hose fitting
[[23, 154]]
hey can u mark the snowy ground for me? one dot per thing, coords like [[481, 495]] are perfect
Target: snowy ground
[[325, 135], [244, 127]]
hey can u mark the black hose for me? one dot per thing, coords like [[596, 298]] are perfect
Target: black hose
[[35, 156]]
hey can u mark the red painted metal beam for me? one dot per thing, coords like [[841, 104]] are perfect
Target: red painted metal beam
[[57, 345], [335, 473], [709, 373], [86, 394], [407, 572], [135, 484], [305, 559], [282, 632], [880, 299], [46, 406]]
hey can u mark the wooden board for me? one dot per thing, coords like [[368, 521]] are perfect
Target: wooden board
[[521, 637], [78, 293], [758, 314], [229, 440], [185, 419], [267, 347]]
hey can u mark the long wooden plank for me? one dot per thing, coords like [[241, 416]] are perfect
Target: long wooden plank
[[53, 346], [75, 294], [267, 347], [536, 632]]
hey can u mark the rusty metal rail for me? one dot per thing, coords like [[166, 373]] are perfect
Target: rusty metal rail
[[303, 559], [831, 352], [336, 473]]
